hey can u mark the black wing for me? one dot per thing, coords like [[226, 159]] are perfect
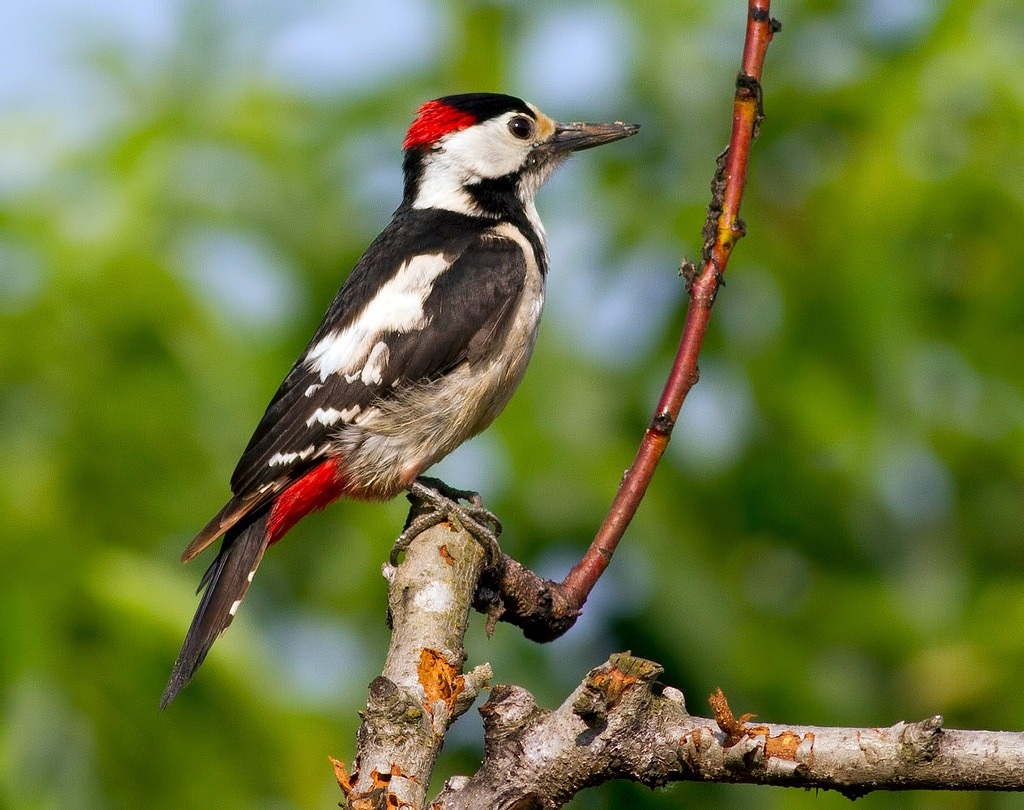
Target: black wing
[[469, 307]]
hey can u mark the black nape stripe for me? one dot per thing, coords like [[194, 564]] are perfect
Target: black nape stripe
[[412, 170]]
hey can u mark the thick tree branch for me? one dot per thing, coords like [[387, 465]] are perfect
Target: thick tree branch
[[545, 609], [620, 723], [422, 689]]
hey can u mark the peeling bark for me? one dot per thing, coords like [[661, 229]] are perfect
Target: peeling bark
[[422, 689], [620, 723]]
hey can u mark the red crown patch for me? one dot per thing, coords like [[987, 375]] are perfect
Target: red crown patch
[[434, 120]]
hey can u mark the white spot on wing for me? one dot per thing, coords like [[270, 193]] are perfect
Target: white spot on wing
[[325, 417], [397, 307], [279, 459], [349, 414], [374, 368], [234, 606], [313, 389], [251, 575]]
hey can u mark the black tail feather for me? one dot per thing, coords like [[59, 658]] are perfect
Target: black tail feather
[[226, 581]]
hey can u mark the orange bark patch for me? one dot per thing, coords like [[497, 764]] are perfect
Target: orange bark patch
[[783, 745], [439, 679], [613, 683], [734, 729], [341, 774], [379, 796], [446, 554]]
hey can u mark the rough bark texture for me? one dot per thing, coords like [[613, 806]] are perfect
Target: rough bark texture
[[422, 689], [621, 724]]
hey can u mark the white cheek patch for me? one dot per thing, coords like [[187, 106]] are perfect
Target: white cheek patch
[[481, 152], [356, 351], [488, 150]]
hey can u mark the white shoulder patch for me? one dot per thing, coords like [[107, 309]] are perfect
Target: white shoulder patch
[[355, 351]]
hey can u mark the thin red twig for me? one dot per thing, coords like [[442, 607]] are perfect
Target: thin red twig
[[703, 285]]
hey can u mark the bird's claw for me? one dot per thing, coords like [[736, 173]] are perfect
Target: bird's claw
[[443, 502], [435, 487]]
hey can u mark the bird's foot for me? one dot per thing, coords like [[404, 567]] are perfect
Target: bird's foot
[[442, 503]]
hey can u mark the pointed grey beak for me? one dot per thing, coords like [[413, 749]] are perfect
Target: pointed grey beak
[[576, 136]]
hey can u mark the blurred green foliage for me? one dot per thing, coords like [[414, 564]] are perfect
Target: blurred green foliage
[[835, 536]]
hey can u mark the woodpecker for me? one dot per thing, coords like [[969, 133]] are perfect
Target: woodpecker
[[421, 349]]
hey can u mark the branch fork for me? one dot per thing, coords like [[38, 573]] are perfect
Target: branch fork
[[544, 609]]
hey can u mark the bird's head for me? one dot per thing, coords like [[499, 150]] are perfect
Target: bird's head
[[478, 153]]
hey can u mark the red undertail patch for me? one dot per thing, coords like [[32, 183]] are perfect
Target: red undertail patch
[[317, 488], [434, 120]]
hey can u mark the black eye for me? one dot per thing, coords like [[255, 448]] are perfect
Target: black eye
[[521, 127]]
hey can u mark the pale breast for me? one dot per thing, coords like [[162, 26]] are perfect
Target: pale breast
[[400, 437]]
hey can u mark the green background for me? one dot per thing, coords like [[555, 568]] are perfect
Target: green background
[[835, 535]]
